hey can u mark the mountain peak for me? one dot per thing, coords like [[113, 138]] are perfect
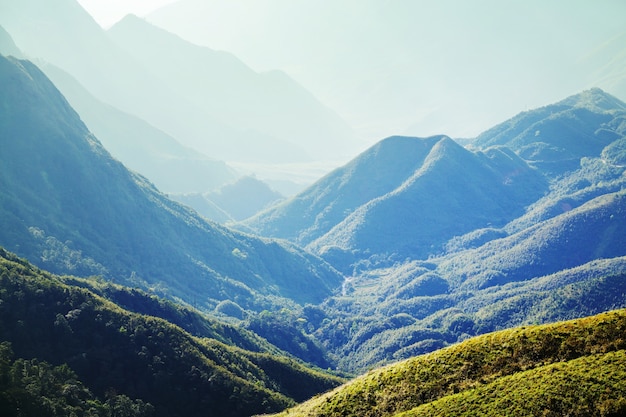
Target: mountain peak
[[7, 45], [594, 99], [80, 200]]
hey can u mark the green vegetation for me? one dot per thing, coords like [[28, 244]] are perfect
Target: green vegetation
[[588, 386], [549, 363], [81, 212], [31, 388], [144, 358]]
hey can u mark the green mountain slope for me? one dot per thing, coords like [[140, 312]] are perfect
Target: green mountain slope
[[452, 192], [523, 371], [314, 211], [555, 137], [141, 357], [68, 206]]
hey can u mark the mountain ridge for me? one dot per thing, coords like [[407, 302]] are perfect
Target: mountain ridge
[[104, 222], [270, 102]]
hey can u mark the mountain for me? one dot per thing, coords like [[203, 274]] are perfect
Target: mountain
[[80, 211], [549, 247], [57, 329], [140, 146], [404, 197], [221, 84], [233, 201], [452, 193], [172, 167], [574, 367], [47, 30], [314, 211], [564, 258], [7, 46], [554, 138], [386, 73]]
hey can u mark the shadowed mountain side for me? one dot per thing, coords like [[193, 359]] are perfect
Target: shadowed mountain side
[[453, 192], [68, 206], [172, 167], [226, 88], [554, 138], [374, 173]]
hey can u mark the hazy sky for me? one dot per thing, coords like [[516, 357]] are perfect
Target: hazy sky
[[107, 12], [416, 67]]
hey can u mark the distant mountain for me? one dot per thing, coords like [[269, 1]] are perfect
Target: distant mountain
[[222, 85], [63, 34], [404, 197], [574, 367], [234, 201], [387, 74], [172, 167], [7, 46], [79, 211], [554, 138], [454, 191], [142, 364]]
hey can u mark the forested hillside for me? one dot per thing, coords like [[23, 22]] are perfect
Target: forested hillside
[[98, 354], [77, 210]]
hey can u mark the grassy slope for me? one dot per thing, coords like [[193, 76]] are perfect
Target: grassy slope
[[475, 369], [598, 382]]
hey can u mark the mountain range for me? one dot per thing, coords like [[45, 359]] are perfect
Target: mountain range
[[400, 215], [439, 242], [550, 245], [416, 245], [69, 206], [233, 201], [128, 66], [403, 67], [140, 146]]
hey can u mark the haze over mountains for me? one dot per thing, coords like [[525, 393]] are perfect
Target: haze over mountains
[[137, 69], [419, 68], [80, 211], [415, 244]]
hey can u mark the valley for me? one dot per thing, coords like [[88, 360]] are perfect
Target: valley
[[144, 274]]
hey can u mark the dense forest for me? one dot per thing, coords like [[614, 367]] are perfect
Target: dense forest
[[91, 353]]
